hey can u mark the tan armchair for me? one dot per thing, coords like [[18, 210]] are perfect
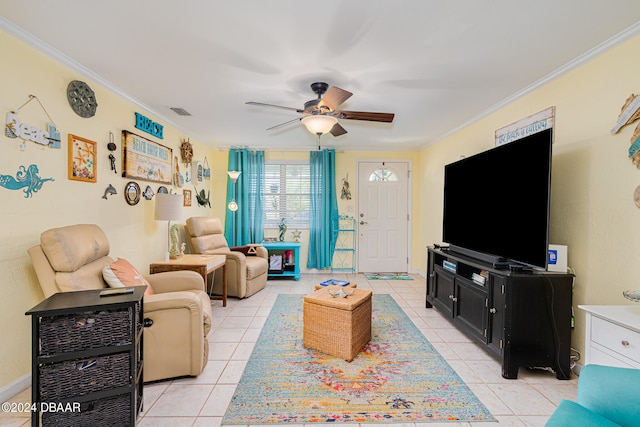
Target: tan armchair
[[72, 258], [246, 274]]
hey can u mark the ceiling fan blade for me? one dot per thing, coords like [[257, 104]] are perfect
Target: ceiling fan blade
[[334, 97], [285, 123], [262, 104], [337, 130], [364, 115]]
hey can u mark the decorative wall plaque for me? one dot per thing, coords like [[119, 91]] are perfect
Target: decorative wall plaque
[[82, 99], [145, 159]]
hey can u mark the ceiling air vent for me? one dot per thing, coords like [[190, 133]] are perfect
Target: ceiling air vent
[[180, 111]]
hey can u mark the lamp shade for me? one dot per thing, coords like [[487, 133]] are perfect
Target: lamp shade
[[319, 124], [168, 207], [234, 175]]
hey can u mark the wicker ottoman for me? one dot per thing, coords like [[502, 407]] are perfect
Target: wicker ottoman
[[340, 327]]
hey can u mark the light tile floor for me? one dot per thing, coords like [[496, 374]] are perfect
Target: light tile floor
[[202, 401]]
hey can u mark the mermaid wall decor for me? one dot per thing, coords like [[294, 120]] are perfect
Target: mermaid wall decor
[[26, 178]]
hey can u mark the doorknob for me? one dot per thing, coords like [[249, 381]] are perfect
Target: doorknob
[[363, 222]]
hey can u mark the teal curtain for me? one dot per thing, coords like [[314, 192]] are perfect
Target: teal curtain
[[323, 218], [246, 225]]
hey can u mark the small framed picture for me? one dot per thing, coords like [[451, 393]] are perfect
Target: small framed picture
[[82, 159], [187, 197]]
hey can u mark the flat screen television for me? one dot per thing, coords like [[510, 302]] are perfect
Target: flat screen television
[[496, 203]]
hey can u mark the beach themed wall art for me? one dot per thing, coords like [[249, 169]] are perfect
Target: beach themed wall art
[[82, 159], [26, 179]]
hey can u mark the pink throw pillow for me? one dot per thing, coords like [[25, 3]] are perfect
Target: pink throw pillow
[[121, 273]]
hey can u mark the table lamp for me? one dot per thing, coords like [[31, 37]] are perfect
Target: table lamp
[[168, 208]]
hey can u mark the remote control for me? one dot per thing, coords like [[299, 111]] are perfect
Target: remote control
[[115, 291]]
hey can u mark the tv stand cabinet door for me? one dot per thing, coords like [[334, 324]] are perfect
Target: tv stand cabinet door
[[443, 291], [471, 308], [537, 323]]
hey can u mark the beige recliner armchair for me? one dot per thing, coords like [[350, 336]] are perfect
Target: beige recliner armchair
[[72, 258], [246, 274]]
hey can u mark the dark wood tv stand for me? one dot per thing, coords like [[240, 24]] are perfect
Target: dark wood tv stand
[[521, 318]]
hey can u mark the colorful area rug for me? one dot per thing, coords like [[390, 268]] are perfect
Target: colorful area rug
[[387, 276], [397, 378]]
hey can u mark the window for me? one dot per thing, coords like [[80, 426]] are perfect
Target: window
[[286, 194], [383, 174]]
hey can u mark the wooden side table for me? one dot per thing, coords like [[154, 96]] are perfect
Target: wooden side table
[[612, 335], [203, 264]]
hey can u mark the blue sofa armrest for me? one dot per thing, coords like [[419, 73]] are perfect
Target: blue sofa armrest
[[570, 414], [611, 392]]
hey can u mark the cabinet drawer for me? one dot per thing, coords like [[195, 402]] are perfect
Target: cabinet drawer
[[603, 356], [82, 331], [82, 376], [616, 338], [111, 411]]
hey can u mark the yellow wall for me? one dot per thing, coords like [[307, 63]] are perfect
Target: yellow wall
[[593, 181]]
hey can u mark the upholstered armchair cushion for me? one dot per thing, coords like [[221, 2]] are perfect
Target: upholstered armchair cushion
[[206, 234], [246, 275], [69, 249], [176, 342], [76, 255]]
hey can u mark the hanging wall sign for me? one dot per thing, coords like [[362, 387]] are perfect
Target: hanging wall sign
[[145, 159], [527, 126], [14, 128], [147, 125], [26, 178]]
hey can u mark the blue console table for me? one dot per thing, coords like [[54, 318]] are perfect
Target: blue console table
[[289, 254]]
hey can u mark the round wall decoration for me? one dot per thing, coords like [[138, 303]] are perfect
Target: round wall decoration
[[636, 196], [82, 99], [132, 193]]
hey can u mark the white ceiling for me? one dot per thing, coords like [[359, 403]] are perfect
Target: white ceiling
[[436, 64]]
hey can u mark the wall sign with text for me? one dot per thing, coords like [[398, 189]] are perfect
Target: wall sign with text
[[145, 159], [527, 126], [147, 125]]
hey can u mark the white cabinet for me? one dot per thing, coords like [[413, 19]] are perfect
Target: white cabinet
[[612, 335]]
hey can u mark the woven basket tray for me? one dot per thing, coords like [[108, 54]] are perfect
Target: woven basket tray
[[79, 377], [81, 331], [112, 411]]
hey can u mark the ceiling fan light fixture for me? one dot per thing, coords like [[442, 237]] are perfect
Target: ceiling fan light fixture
[[319, 124]]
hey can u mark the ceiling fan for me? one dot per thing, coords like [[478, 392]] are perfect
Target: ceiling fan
[[321, 115]]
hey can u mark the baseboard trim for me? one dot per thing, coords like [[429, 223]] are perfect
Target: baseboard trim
[[11, 389]]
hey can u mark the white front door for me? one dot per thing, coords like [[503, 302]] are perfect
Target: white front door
[[382, 216]]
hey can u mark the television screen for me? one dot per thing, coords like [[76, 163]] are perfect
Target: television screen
[[496, 203]]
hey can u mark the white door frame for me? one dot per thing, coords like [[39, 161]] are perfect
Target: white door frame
[[409, 203]]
